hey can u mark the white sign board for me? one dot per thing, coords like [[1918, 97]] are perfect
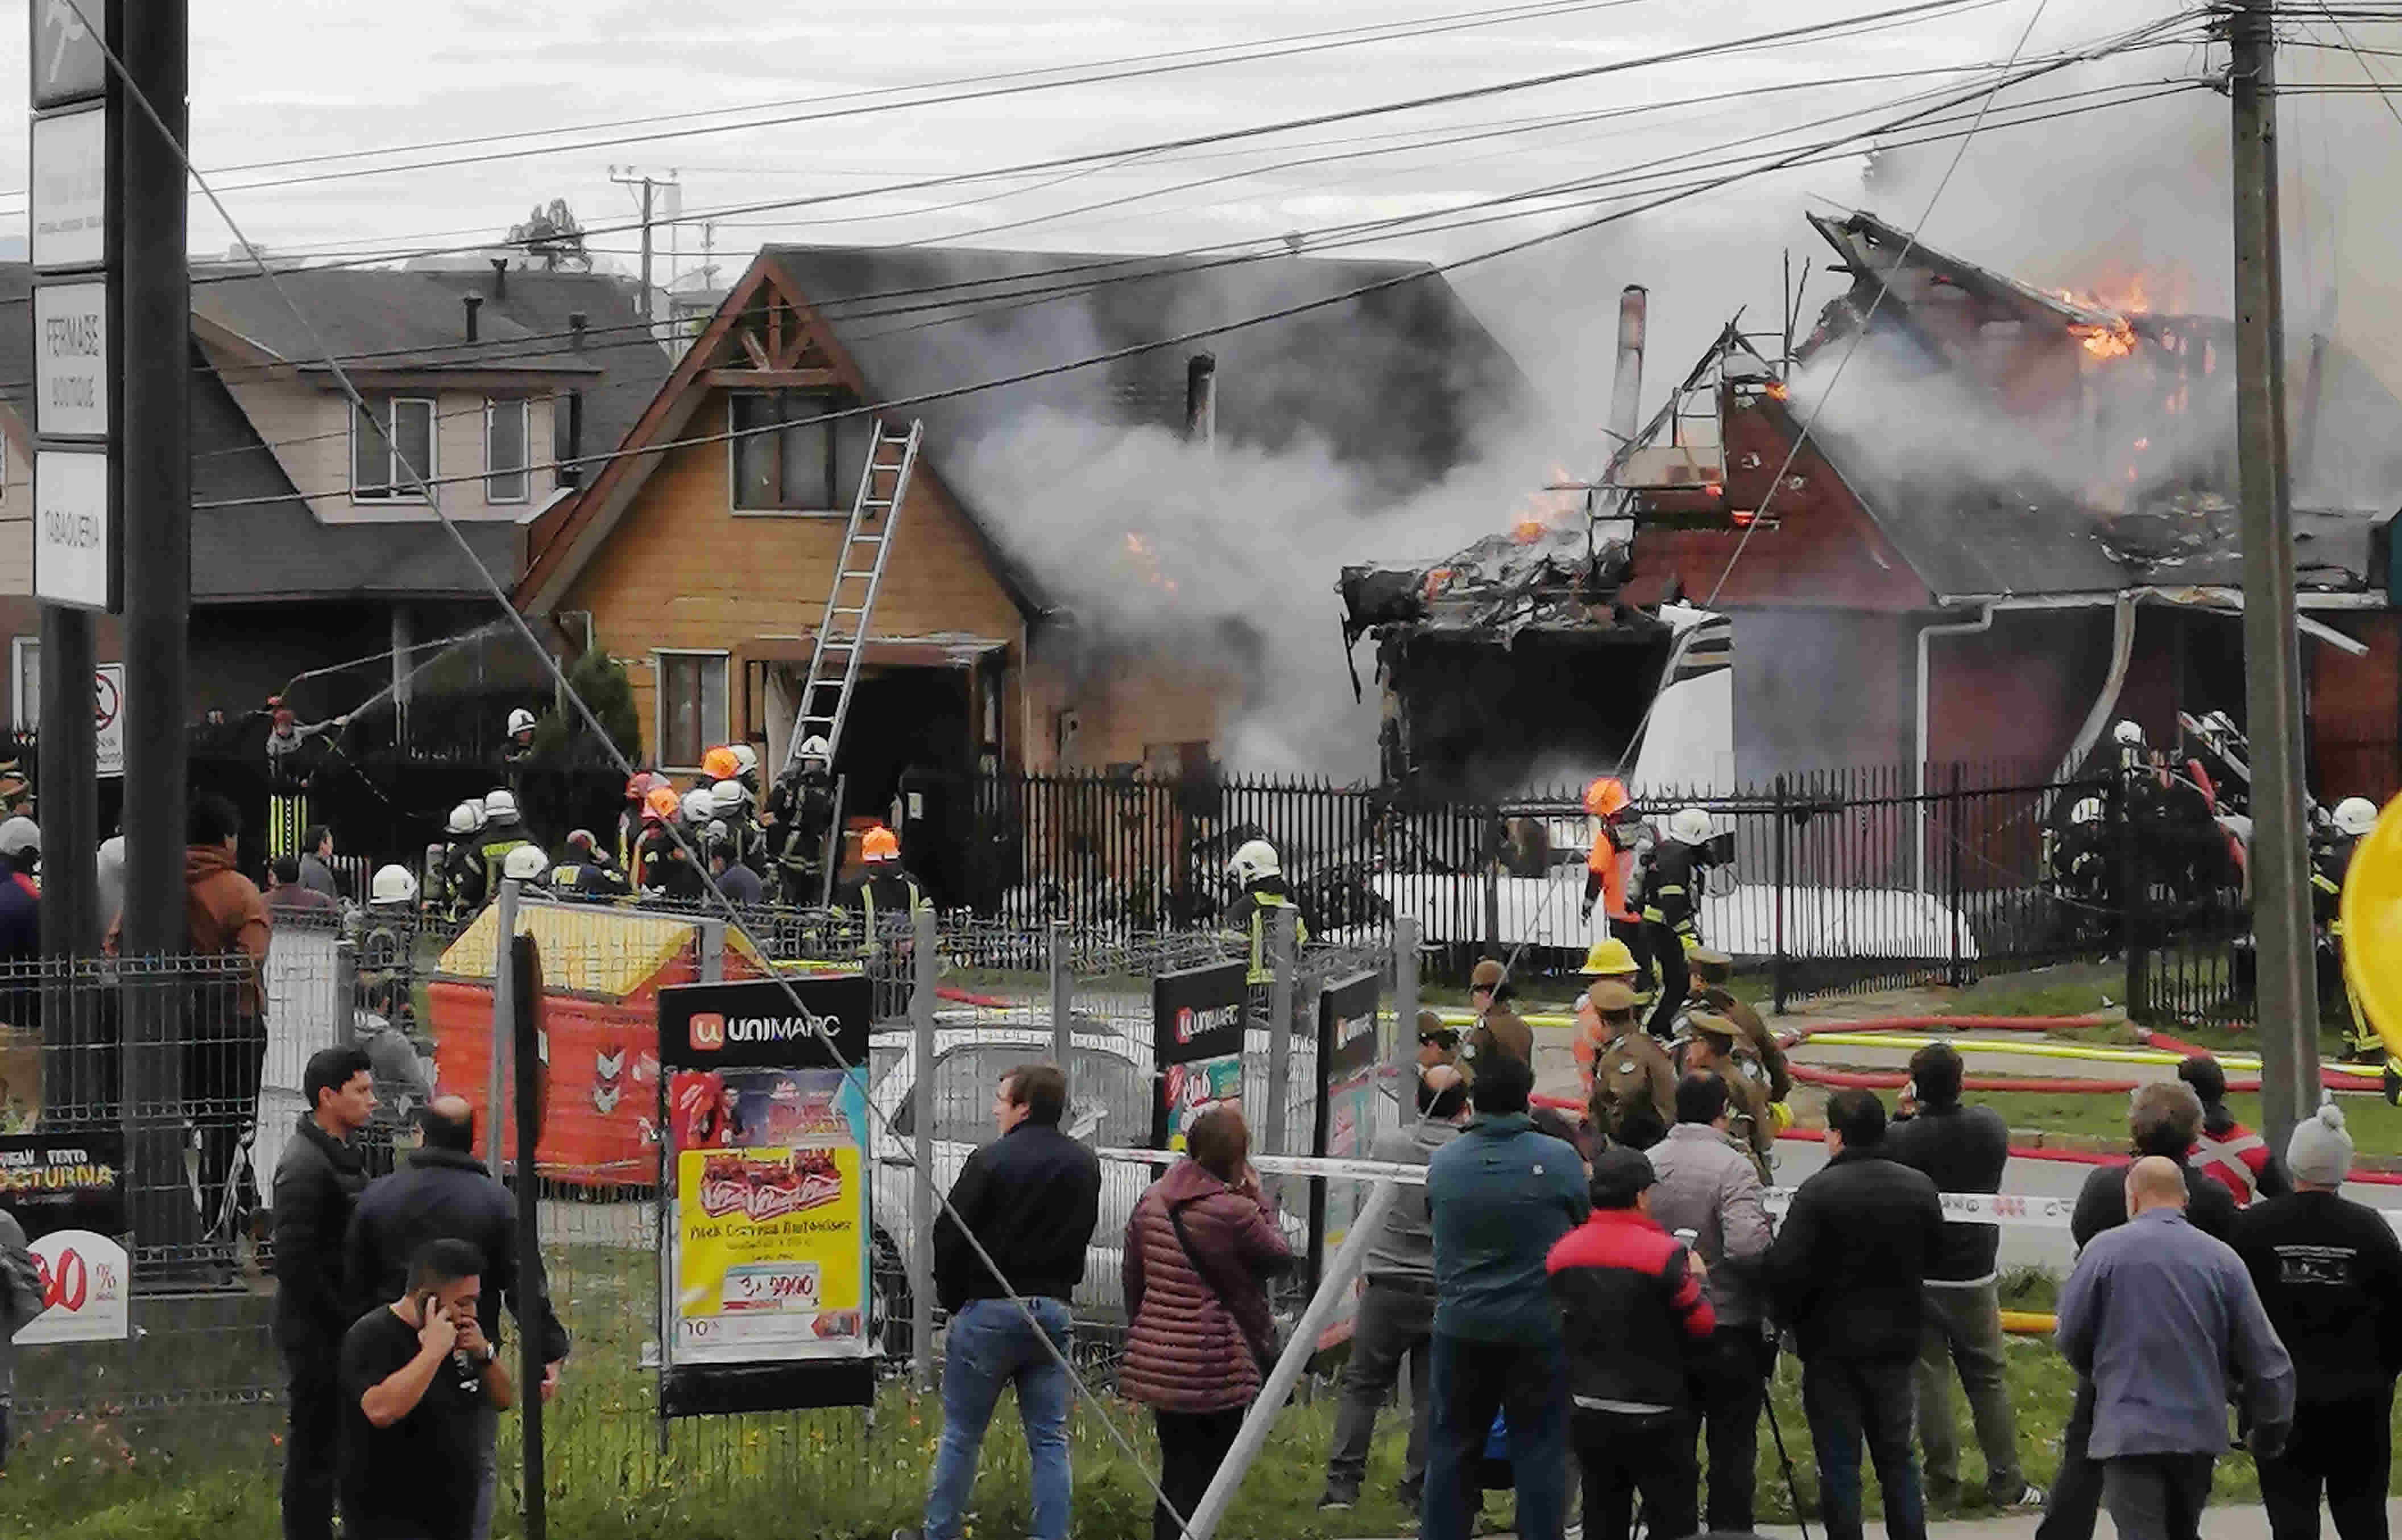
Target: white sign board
[[70, 189], [68, 64], [71, 527], [89, 1281], [108, 718], [71, 360]]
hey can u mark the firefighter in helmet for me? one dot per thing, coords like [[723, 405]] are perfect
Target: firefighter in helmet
[[1673, 873], [585, 874], [883, 894], [1605, 867], [451, 888], [1258, 876], [518, 753], [2355, 816], [800, 812], [631, 821], [656, 853], [504, 831], [745, 845]]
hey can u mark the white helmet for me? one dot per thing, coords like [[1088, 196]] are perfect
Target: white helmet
[[20, 835], [746, 759], [467, 818], [2353, 815], [816, 748], [392, 886], [730, 796], [2087, 810], [499, 804], [527, 864], [1256, 859], [699, 807], [520, 720], [2128, 734], [1690, 827]]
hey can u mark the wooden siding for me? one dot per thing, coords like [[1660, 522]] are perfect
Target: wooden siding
[[1124, 710], [16, 512], [2355, 711], [682, 571], [2018, 691]]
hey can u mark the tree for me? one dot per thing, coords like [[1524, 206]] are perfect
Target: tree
[[553, 235], [600, 681]]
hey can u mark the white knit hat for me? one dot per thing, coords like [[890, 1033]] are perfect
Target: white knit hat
[[2320, 1151]]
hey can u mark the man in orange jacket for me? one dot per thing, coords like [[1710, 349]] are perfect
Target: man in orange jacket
[[1605, 872]]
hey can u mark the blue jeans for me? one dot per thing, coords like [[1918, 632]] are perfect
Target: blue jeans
[[992, 1344], [1847, 1400], [1469, 1382]]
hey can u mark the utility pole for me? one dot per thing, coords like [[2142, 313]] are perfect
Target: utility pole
[[647, 200], [2287, 990]]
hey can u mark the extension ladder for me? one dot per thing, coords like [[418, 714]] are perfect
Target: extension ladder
[[857, 574]]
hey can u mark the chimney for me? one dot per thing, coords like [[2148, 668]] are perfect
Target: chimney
[[500, 277], [1201, 399], [571, 473], [1625, 395], [474, 302], [576, 320]]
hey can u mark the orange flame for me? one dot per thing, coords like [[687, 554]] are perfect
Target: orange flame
[[2115, 340], [1146, 564]]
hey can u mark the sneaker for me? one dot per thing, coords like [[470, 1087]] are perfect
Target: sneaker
[[2030, 1496], [1337, 1498]]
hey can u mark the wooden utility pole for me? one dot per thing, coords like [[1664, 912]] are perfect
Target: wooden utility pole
[[2287, 990], [649, 203]]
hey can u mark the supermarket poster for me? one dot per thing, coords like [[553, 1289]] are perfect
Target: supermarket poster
[[1197, 1020], [66, 1191], [1348, 1094], [765, 1277]]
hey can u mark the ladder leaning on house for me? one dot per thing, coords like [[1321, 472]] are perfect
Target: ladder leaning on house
[[857, 574]]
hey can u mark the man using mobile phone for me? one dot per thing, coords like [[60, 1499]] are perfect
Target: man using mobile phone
[[414, 1374]]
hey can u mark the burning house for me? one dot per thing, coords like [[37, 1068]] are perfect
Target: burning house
[[1962, 519]]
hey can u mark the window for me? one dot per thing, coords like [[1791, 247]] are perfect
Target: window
[[803, 465], [691, 706], [25, 663], [506, 437], [387, 446]]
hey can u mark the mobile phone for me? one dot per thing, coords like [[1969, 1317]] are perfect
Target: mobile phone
[[1686, 1237]]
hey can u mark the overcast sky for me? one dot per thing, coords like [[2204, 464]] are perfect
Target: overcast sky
[[276, 80]]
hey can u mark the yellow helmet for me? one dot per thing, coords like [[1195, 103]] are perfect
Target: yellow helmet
[[1609, 958], [1780, 1115]]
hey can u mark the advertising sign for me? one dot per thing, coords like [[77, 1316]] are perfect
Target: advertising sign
[[71, 528], [108, 721], [766, 1282], [1347, 1119], [70, 189], [67, 1192], [1197, 1042]]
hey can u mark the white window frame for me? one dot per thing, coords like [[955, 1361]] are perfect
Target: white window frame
[[19, 647], [725, 729], [430, 470], [493, 405], [734, 458]]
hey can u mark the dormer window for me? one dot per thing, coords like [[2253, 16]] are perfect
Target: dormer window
[[391, 446]]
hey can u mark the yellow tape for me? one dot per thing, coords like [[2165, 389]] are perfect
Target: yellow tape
[[2037, 1048], [2027, 1322]]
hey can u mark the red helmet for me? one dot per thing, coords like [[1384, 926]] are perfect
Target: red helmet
[[638, 785]]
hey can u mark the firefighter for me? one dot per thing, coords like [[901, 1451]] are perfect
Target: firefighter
[[1673, 872], [519, 752], [745, 845], [526, 866], [1257, 872], [585, 874], [2355, 816], [656, 844], [1756, 1047], [1750, 1122], [504, 831], [885, 891], [2079, 860], [800, 813], [746, 766], [447, 864], [1497, 1029], [630, 820], [1605, 871], [1631, 1066], [720, 764]]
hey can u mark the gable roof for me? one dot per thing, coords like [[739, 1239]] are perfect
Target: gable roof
[[1392, 383]]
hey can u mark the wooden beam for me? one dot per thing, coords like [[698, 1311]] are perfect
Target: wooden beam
[[776, 333], [758, 356], [771, 378]]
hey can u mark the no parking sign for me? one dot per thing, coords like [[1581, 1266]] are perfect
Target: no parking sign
[[108, 718]]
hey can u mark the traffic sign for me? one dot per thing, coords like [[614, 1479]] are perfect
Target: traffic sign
[[71, 359], [68, 60], [72, 527], [70, 189], [108, 718]]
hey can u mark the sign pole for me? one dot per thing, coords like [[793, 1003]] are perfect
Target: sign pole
[[69, 805]]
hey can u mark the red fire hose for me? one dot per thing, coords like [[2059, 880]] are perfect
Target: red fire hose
[[2331, 1077], [1960, 1024]]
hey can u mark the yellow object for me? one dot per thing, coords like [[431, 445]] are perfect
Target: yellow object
[[2027, 1322], [586, 949], [2038, 1048], [719, 764], [2370, 909], [1609, 956], [1781, 1115]]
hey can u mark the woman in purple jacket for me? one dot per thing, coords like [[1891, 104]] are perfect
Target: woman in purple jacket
[[1199, 1249]]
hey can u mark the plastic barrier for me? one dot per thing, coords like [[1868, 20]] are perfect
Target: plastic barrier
[[2371, 910]]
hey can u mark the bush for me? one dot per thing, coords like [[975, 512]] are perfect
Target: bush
[[600, 680]]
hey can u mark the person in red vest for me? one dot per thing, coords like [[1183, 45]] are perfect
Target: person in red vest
[[2226, 1151]]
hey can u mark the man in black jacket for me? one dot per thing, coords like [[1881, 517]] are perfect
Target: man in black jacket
[[1847, 1273], [2329, 1273], [1029, 1201], [317, 1183], [1961, 1149], [442, 1192], [2162, 1119]]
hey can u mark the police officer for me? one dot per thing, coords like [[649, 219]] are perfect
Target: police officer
[[1437, 1043], [885, 889], [1749, 1122], [1631, 1066], [1756, 1044], [2355, 816], [1499, 1028], [1609, 962], [1673, 872], [1256, 870]]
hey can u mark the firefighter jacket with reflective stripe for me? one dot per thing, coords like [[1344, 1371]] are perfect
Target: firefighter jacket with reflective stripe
[[1672, 877], [1250, 916], [1605, 877], [880, 894], [2327, 870]]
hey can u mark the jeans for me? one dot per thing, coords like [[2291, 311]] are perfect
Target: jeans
[[1624, 1454], [1846, 1399], [1191, 1446], [2345, 1445], [992, 1344], [310, 1447], [1729, 1386], [2157, 1496], [2076, 1499], [488, 1470], [1469, 1382], [1392, 1321], [1964, 1330]]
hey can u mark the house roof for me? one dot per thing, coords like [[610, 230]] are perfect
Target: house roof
[[1392, 383], [375, 320]]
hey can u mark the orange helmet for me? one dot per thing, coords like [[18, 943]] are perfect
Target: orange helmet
[[1605, 795], [879, 844], [720, 764], [638, 785], [662, 804]]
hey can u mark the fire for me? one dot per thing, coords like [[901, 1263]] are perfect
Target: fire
[[2114, 340], [2142, 444], [1146, 564], [1777, 392], [1527, 531]]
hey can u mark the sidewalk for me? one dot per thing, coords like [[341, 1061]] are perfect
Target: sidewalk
[[2217, 1523]]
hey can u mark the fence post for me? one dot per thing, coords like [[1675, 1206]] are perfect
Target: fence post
[[503, 1018], [1780, 970], [1492, 884], [1063, 1000], [346, 992], [713, 952], [2131, 888], [1949, 824], [921, 1192], [1405, 1012], [1280, 996]]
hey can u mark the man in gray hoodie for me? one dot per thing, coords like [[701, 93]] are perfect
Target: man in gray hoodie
[[1396, 1313]]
